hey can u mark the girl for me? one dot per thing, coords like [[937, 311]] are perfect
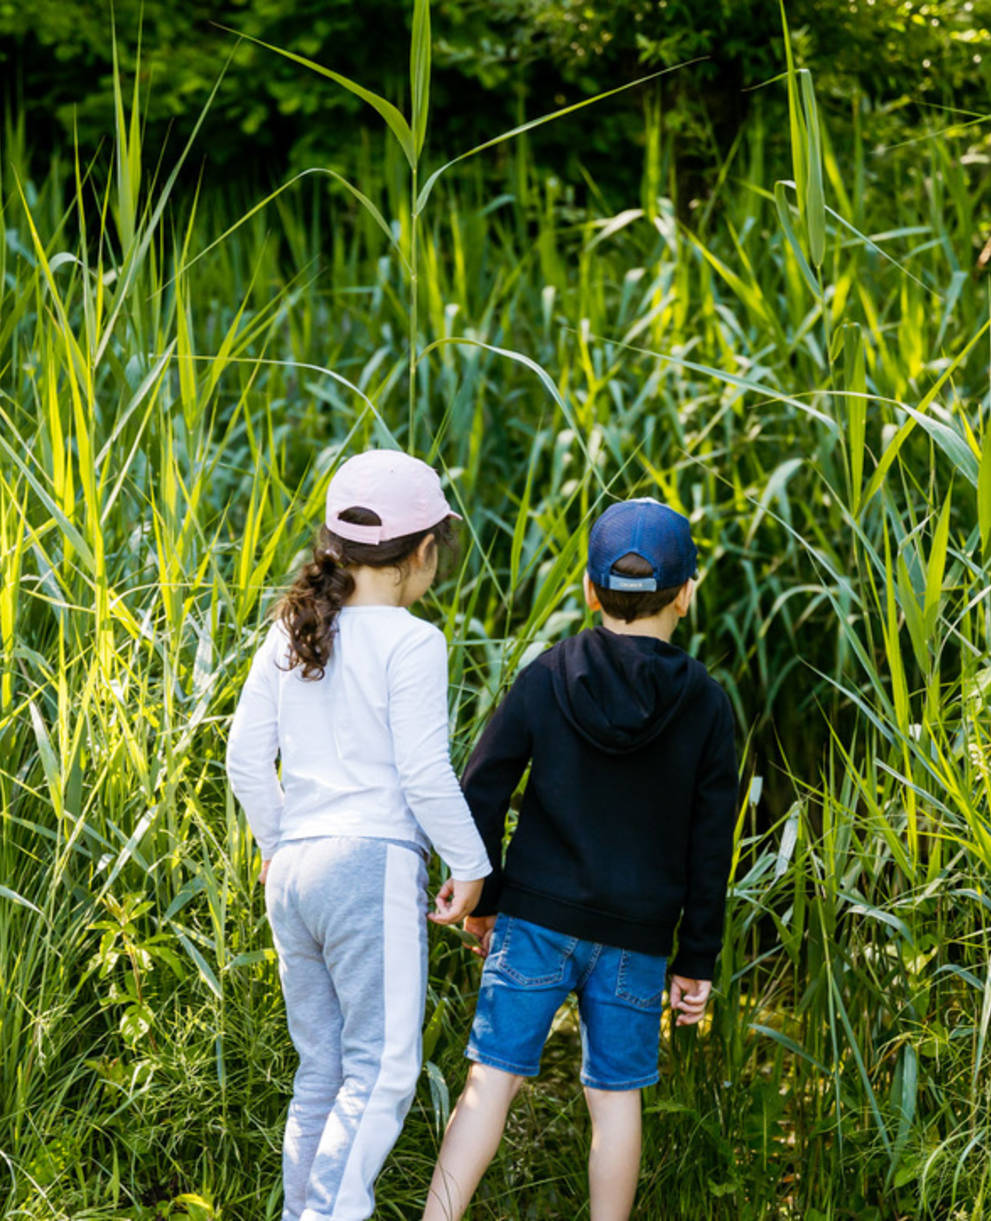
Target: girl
[[351, 691]]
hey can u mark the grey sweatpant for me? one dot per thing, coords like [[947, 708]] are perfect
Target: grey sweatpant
[[348, 921]]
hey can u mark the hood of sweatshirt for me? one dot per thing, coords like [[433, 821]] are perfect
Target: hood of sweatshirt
[[620, 692]]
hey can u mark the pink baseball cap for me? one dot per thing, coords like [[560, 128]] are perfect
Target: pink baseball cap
[[404, 492]]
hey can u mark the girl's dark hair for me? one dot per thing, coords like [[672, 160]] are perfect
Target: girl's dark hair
[[310, 607]]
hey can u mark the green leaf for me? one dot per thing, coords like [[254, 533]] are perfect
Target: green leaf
[[904, 1093], [433, 1028], [906, 1174], [14, 897], [855, 383], [788, 1044], [135, 1023], [892, 645], [784, 217], [668, 1106], [419, 71], [203, 967], [815, 200], [776, 488], [250, 958], [393, 117], [49, 760], [440, 1096], [905, 1098], [909, 604], [937, 566], [749, 293], [128, 174], [194, 1207], [795, 125], [984, 491], [950, 442]]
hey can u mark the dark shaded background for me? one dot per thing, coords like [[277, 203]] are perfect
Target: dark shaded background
[[495, 61]]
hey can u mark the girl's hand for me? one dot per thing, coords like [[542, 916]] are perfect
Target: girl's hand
[[688, 998], [480, 927], [263, 874], [455, 900]]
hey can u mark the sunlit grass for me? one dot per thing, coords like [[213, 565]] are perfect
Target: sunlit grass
[[805, 376]]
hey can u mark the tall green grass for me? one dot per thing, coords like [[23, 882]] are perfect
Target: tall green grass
[[803, 372]]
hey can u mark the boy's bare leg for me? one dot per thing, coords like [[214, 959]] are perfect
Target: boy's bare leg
[[614, 1158], [470, 1142]]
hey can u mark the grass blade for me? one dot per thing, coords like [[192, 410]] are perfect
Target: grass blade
[[984, 491], [815, 201], [419, 72], [784, 216]]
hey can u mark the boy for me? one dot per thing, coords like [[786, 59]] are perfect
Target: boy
[[626, 825]]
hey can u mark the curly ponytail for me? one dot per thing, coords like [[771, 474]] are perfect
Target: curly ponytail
[[312, 603]]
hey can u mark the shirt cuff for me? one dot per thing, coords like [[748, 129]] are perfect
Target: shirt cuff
[[472, 873], [693, 966]]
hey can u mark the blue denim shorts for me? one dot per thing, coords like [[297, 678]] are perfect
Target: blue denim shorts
[[529, 972]]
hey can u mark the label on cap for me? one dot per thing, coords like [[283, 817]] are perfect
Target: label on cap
[[632, 584]]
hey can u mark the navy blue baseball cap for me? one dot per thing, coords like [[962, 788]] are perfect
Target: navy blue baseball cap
[[649, 529]]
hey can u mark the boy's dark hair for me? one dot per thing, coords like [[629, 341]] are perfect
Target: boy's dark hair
[[630, 606]]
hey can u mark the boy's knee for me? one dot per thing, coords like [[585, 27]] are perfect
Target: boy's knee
[[605, 1103], [489, 1080]]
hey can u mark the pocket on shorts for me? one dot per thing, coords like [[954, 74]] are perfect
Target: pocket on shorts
[[640, 979], [531, 955]]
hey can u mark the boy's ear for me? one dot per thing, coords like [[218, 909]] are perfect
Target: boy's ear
[[591, 598], [683, 598]]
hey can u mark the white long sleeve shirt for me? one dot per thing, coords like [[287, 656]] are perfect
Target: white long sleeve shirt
[[364, 749]]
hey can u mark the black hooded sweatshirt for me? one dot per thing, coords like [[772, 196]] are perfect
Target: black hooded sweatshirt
[[626, 822]]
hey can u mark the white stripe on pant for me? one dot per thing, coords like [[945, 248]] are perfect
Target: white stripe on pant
[[348, 921]]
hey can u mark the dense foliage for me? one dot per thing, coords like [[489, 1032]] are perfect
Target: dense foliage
[[802, 369], [494, 59]]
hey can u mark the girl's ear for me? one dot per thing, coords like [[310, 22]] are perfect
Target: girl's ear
[[424, 548]]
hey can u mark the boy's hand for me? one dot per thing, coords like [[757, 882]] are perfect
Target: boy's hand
[[688, 998], [263, 874], [455, 900], [480, 927]]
